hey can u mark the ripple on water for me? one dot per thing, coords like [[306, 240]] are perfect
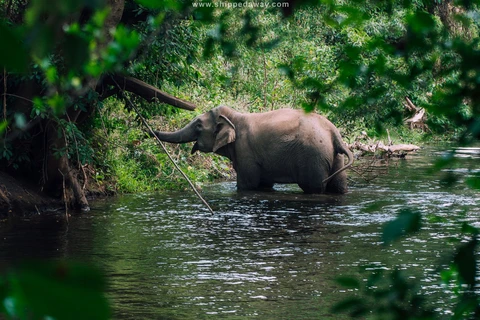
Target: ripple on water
[[264, 255]]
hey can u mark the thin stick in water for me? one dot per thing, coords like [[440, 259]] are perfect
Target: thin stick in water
[[164, 148]]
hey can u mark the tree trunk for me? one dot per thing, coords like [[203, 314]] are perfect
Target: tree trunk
[[58, 169], [447, 12], [50, 166], [59, 165]]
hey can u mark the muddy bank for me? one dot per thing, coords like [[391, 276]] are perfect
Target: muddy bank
[[22, 198]]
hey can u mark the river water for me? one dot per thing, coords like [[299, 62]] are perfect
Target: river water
[[269, 255]]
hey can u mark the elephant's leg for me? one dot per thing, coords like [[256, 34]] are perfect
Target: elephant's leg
[[311, 176], [266, 185], [309, 188], [338, 184], [248, 177]]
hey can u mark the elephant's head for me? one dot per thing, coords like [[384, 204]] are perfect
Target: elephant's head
[[211, 131]]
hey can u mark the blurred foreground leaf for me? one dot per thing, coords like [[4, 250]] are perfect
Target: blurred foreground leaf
[[407, 222], [348, 282], [15, 58], [473, 182], [355, 307], [59, 290], [466, 262]]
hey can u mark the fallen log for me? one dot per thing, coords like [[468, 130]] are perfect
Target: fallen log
[[396, 150]]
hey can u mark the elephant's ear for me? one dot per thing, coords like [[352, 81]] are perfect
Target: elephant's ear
[[224, 133]]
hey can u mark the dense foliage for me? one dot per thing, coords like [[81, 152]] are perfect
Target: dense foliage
[[354, 61]]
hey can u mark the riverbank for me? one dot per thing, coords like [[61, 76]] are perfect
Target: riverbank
[[136, 165], [19, 197]]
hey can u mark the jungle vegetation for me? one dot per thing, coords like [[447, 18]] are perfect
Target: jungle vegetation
[[355, 62], [67, 130]]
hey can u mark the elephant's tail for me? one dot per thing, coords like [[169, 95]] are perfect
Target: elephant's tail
[[349, 154]]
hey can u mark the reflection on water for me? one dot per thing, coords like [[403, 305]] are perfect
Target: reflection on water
[[266, 255]]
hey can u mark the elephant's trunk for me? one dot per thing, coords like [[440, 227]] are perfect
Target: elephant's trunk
[[187, 134]]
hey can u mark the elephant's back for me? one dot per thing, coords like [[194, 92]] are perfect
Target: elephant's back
[[295, 127], [275, 124], [296, 118]]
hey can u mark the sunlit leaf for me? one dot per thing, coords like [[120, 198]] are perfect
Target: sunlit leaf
[[57, 103], [3, 126], [51, 74]]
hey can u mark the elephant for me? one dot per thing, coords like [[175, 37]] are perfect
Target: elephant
[[280, 146]]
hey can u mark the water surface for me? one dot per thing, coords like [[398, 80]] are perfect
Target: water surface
[[270, 255]]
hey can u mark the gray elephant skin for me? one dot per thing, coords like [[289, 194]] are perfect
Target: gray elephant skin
[[281, 146]]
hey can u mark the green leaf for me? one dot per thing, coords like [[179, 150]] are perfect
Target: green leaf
[[57, 103], [449, 179], [465, 307], [348, 282], [3, 126], [473, 182], [376, 206], [469, 229], [448, 275], [100, 16], [407, 222], [60, 290], [308, 107], [161, 4], [421, 22], [13, 56], [346, 304], [75, 49], [51, 74], [466, 262]]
